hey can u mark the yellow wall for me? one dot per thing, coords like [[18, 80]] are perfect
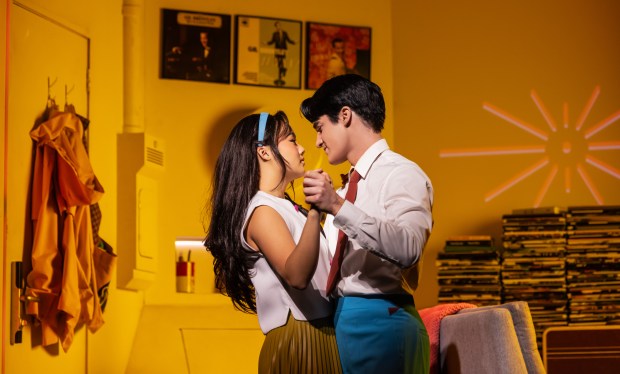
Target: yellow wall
[[450, 57], [194, 118], [437, 63]]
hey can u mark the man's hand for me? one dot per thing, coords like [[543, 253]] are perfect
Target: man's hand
[[320, 192]]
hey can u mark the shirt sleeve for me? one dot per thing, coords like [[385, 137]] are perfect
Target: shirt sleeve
[[400, 232]]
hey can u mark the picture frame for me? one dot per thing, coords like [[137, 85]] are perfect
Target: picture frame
[[195, 46], [268, 52], [334, 50]]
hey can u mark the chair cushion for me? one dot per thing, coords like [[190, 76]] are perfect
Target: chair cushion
[[524, 327], [431, 317], [480, 343]]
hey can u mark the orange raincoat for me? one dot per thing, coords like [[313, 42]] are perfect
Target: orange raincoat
[[65, 267]]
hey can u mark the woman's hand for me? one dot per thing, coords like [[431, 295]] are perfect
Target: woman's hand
[[320, 192]]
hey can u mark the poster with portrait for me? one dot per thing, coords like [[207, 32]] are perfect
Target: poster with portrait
[[335, 50], [196, 46], [268, 52]]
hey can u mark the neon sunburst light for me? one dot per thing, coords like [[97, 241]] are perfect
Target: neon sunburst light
[[562, 145]]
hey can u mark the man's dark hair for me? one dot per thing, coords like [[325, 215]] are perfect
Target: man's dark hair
[[337, 40], [358, 93]]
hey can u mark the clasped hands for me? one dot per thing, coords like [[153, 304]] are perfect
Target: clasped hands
[[320, 193]]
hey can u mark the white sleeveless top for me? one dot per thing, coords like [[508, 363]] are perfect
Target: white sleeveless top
[[274, 298]]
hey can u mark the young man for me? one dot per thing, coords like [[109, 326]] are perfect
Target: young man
[[384, 229]]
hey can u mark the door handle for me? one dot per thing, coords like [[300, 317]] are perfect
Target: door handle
[[19, 319]]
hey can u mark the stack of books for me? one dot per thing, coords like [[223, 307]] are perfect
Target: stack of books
[[593, 264], [533, 266], [469, 271]]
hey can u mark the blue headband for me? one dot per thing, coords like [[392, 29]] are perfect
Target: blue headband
[[262, 123]]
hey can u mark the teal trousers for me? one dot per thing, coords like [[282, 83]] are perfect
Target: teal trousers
[[381, 334]]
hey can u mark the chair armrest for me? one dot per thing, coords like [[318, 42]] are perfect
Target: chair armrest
[[524, 327], [480, 342]]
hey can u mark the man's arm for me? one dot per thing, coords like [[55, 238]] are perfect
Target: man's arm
[[400, 235], [273, 39], [286, 37], [403, 229]]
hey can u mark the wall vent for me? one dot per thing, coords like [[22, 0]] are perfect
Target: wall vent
[[154, 156]]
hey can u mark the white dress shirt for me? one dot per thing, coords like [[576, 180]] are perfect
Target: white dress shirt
[[388, 226]]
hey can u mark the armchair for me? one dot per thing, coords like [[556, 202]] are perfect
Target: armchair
[[491, 339]]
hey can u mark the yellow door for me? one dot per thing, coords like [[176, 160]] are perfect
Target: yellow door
[[46, 58]]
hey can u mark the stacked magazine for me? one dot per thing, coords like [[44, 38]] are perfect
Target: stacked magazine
[[593, 264], [533, 266], [469, 271]]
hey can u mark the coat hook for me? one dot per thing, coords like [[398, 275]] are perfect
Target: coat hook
[[67, 92], [49, 86]]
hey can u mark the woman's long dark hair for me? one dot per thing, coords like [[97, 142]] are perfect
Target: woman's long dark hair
[[234, 184]]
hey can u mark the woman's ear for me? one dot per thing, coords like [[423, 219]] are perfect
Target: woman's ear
[[263, 153]]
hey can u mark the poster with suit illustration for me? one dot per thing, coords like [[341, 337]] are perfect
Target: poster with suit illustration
[[335, 50], [268, 52], [196, 46]]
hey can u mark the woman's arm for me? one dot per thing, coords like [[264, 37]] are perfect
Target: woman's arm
[[295, 263]]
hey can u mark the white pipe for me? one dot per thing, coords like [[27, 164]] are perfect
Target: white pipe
[[133, 66]]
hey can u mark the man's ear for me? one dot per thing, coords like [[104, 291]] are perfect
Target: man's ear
[[346, 114], [263, 153]]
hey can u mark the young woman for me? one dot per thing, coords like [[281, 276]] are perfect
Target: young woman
[[270, 256]]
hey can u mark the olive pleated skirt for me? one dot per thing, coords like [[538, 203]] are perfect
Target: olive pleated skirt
[[302, 347]]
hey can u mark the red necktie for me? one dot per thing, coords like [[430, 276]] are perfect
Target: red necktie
[[334, 272]]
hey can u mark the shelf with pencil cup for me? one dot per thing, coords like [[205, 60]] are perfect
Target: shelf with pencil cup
[[193, 266]]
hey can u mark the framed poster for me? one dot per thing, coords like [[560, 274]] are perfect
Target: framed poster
[[268, 52], [195, 46], [335, 50]]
